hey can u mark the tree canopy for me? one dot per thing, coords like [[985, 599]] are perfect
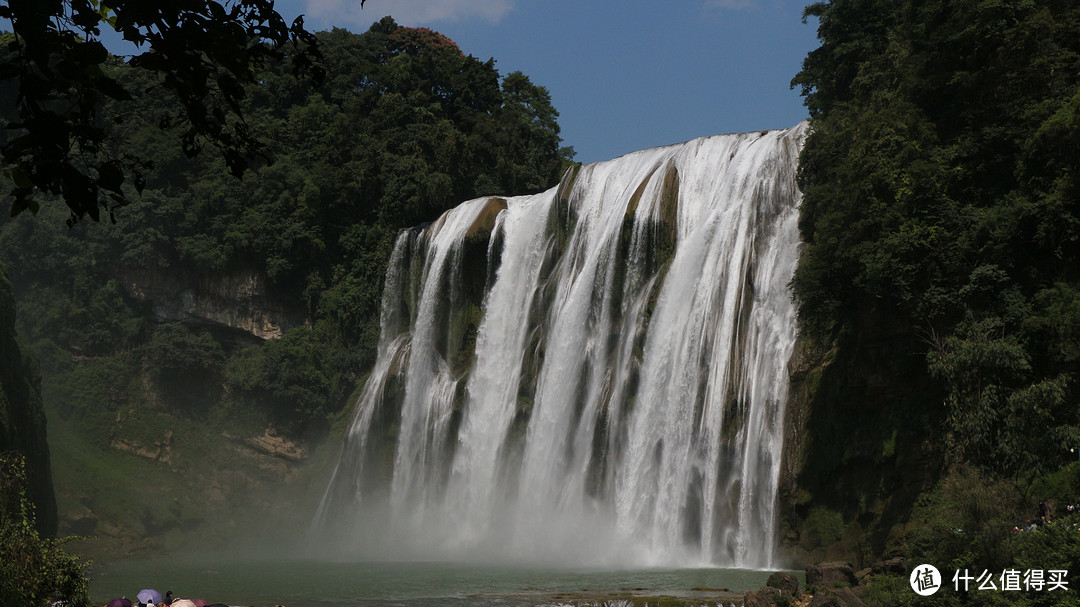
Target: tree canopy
[[941, 189], [201, 52], [403, 127]]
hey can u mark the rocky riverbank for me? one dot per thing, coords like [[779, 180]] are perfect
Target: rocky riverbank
[[829, 584]]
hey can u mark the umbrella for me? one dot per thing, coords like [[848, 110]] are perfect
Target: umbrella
[[200, 602], [149, 596], [124, 602], [183, 603]]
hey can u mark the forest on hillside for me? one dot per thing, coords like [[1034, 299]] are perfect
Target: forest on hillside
[[403, 127], [941, 187], [941, 183]]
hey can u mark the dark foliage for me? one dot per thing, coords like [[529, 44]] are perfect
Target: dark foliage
[[35, 571], [203, 53], [941, 190], [403, 127]]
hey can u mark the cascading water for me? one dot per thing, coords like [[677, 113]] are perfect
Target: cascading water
[[594, 374]]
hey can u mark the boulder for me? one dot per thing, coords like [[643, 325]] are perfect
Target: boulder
[[784, 582], [829, 575], [895, 565], [766, 596]]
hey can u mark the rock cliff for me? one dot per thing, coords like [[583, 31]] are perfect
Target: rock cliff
[[240, 300], [22, 418], [857, 448]]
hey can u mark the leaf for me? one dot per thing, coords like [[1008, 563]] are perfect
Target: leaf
[[18, 176], [91, 52], [113, 89], [150, 60], [83, 13], [9, 71], [23, 202], [111, 175]]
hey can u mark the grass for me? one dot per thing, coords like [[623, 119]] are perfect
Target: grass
[[208, 489]]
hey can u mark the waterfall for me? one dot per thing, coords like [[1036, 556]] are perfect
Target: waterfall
[[594, 374]]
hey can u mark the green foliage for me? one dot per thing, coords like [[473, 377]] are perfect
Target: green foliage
[[186, 366], [299, 380], [1058, 488], [1056, 545], [889, 591], [1053, 546], [403, 127], [35, 571], [941, 193], [93, 386], [966, 522], [203, 53], [821, 528], [527, 157]]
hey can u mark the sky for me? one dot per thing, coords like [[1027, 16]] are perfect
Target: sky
[[624, 75]]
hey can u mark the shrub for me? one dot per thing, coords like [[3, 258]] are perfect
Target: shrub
[[34, 570], [187, 367], [965, 523], [1055, 545], [299, 380], [821, 528]]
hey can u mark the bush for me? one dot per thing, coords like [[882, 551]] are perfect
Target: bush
[[187, 367], [1059, 488], [299, 380], [966, 523], [34, 570], [821, 528], [1055, 545]]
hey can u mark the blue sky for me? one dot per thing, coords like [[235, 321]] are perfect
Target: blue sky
[[624, 75]]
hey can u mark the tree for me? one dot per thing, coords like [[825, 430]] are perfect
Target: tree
[[200, 51], [941, 196], [528, 156], [404, 126]]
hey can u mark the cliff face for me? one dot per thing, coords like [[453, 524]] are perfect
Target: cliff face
[[240, 300], [22, 418], [859, 444]]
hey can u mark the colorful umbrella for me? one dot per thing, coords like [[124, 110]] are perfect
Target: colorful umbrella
[[149, 596]]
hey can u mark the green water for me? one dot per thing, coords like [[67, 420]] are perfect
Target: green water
[[339, 584]]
